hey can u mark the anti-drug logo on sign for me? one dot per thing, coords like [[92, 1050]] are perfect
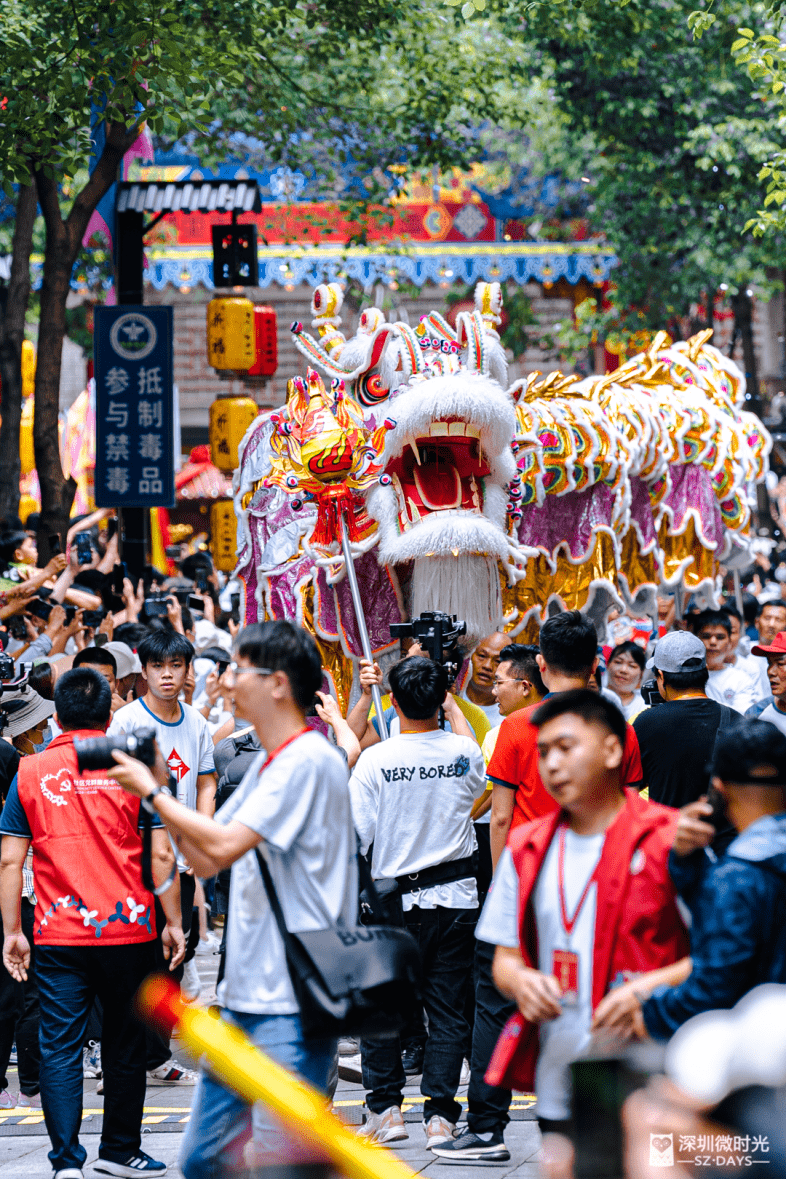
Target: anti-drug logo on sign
[[133, 336]]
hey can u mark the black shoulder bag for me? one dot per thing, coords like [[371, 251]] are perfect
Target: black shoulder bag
[[360, 980]]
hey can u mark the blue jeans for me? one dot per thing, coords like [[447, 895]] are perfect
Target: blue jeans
[[69, 979], [221, 1124]]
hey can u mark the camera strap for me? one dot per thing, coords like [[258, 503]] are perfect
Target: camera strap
[[147, 856]]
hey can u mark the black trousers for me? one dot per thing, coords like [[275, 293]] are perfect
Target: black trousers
[[19, 1015], [69, 979], [158, 1050], [487, 1105], [445, 938]]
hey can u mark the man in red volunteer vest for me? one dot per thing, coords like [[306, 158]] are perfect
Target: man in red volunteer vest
[[568, 657], [94, 927], [582, 909]]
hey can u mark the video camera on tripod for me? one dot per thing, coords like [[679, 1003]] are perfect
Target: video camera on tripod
[[437, 633]]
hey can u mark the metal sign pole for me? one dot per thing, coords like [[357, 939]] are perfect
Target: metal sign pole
[[365, 642]]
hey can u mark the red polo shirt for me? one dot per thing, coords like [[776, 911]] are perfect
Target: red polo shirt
[[514, 763]]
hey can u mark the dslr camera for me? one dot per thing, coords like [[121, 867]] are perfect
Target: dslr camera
[[95, 753], [437, 633]]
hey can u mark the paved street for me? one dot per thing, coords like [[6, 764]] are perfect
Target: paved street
[[24, 1144]]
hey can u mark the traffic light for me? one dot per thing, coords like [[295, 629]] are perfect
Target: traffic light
[[235, 260]]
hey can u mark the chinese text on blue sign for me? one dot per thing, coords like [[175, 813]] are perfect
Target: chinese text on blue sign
[[134, 407]]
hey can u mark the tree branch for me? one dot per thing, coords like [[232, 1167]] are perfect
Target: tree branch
[[118, 140]]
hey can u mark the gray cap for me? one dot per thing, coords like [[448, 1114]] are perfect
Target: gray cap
[[679, 650]]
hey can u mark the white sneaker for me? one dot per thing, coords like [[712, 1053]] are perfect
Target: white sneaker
[[7, 1100], [70, 1173], [384, 1127], [438, 1131], [191, 986], [172, 1073], [209, 945]]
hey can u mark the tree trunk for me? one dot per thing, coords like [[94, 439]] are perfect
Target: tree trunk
[[12, 334], [57, 493], [63, 239], [743, 328]]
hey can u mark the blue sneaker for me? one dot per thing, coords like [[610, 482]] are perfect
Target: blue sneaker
[[138, 1164]]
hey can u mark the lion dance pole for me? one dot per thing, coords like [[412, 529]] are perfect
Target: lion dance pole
[[247, 1071]]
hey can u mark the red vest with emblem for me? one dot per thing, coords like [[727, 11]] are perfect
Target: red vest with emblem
[[637, 924], [87, 852]]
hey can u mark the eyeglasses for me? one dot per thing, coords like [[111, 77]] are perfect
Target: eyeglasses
[[236, 670]]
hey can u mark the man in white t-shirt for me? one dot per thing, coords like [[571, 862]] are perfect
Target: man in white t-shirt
[[734, 683], [184, 739], [601, 858], [294, 804], [483, 664], [412, 798]]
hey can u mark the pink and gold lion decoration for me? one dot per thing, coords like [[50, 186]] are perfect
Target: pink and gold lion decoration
[[498, 504]]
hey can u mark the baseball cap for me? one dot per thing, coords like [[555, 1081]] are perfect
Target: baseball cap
[[25, 710], [677, 651], [777, 647], [753, 753], [127, 660]]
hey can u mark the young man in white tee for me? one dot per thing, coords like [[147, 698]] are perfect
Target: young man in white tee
[[600, 924], [293, 802], [733, 681], [412, 798], [185, 742]]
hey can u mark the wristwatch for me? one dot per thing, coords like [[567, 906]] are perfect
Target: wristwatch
[[147, 801]]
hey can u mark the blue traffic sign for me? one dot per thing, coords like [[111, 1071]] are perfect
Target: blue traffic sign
[[135, 465]]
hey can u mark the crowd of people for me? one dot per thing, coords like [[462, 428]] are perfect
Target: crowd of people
[[585, 840]]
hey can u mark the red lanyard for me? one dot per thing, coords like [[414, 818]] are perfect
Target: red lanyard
[[569, 923], [282, 747]]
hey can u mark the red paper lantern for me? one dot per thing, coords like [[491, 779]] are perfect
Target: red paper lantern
[[266, 333]]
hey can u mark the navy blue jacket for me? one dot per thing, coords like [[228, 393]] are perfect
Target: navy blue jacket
[[738, 931]]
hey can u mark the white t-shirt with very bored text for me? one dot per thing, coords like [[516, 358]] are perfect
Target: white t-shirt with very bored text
[[412, 796], [564, 1039]]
